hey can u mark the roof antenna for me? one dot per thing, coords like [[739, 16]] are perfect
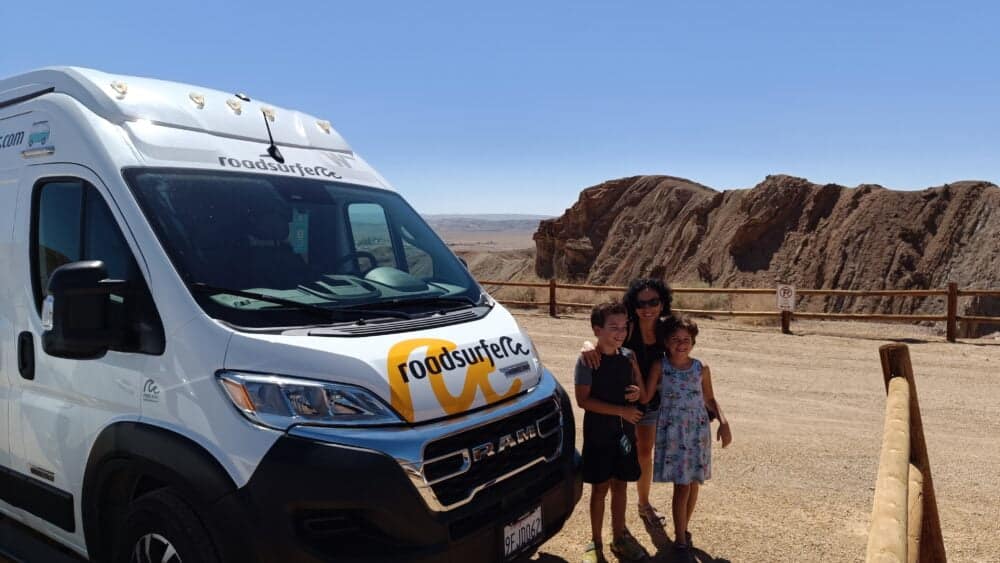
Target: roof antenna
[[273, 148]]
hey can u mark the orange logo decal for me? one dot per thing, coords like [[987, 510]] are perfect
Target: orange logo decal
[[443, 357]]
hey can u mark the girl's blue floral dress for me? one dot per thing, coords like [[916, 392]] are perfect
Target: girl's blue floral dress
[[683, 450]]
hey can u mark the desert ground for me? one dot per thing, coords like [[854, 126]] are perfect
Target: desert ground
[[807, 413]]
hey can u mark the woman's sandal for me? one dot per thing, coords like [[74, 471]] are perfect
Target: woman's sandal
[[650, 516]]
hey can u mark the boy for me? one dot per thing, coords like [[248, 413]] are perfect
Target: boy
[[609, 456]]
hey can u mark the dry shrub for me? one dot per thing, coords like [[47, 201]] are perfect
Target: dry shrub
[[701, 301], [504, 293], [518, 294], [584, 296], [757, 303]]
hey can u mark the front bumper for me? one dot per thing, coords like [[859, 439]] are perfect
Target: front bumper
[[312, 501]]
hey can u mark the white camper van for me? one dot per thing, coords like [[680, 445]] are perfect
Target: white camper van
[[224, 337]]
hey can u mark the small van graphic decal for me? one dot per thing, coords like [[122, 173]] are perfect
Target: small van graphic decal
[[412, 361], [39, 134]]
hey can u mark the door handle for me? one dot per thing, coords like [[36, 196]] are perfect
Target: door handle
[[26, 355]]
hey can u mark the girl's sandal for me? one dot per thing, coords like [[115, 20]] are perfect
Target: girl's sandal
[[650, 516]]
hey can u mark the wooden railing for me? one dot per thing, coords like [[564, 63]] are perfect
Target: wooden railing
[[905, 526], [951, 293]]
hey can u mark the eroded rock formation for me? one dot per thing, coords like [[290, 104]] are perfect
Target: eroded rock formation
[[784, 230]]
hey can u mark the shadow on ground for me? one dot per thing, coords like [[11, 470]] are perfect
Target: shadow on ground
[[665, 552]]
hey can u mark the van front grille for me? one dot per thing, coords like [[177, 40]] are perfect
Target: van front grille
[[495, 451]]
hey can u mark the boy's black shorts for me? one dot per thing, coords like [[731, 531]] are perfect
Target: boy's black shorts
[[605, 461]]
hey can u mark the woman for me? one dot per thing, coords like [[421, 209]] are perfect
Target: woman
[[648, 304]]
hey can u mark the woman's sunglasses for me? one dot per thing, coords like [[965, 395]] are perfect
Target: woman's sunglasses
[[643, 303]]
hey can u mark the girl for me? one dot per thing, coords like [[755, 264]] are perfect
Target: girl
[[683, 453], [648, 302]]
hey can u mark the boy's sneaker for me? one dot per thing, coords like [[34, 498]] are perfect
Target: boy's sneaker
[[592, 554], [626, 547]]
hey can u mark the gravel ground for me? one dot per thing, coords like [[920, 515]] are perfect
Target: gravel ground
[[807, 413]]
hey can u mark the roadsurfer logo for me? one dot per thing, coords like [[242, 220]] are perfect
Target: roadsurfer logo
[[261, 164], [339, 160], [407, 366]]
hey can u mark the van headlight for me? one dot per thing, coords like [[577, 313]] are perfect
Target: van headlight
[[281, 402]]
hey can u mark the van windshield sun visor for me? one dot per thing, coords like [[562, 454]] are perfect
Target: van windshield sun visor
[[263, 251]]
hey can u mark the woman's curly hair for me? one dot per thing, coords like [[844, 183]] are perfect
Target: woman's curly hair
[[631, 298]]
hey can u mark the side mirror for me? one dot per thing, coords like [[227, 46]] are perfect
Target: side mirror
[[76, 315]]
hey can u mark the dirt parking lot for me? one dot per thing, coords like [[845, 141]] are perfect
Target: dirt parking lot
[[807, 413]]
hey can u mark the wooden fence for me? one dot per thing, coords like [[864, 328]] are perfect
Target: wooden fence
[[905, 526], [951, 293]]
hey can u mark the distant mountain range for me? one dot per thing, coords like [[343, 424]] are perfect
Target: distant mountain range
[[484, 222]]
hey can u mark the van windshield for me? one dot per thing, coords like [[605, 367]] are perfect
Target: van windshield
[[264, 251]]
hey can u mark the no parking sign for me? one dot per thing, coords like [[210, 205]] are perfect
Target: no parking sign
[[786, 297]]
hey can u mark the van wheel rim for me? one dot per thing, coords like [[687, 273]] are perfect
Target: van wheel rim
[[154, 548]]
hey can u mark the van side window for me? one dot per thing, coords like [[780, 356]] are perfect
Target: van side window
[[57, 219], [70, 222], [103, 241]]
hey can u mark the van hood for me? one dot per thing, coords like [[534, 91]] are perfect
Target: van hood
[[422, 375]]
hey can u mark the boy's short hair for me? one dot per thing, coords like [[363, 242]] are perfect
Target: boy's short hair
[[675, 323], [600, 313]]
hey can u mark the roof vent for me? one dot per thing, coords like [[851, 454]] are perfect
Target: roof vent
[[120, 88], [235, 105]]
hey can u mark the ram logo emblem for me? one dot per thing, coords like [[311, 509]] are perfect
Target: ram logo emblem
[[504, 443]]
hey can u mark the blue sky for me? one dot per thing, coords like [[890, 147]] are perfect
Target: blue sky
[[514, 107]]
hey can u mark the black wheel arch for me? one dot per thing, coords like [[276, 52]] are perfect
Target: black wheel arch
[[129, 459]]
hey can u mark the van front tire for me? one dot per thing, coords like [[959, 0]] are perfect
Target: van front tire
[[161, 523]]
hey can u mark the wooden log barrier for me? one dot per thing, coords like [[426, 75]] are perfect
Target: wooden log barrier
[[887, 539], [896, 366]]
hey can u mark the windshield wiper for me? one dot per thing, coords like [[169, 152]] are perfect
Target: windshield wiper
[[328, 312], [437, 300]]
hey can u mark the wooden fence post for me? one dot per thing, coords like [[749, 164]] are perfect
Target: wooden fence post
[[552, 297], [896, 363], [887, 539], [952, 311]]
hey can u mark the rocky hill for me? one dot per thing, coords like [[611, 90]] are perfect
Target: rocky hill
[[784, 230]]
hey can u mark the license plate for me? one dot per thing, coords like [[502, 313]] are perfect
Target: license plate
[[522, 533]]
